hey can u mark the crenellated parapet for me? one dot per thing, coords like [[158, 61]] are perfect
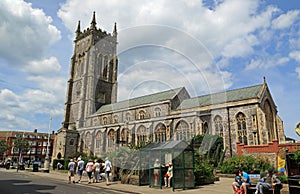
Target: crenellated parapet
[[97, 33]]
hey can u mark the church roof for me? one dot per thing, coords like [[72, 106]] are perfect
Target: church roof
[[223, 97], [148, 99], [205, 100]]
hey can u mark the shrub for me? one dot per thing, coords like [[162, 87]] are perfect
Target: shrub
[[247, 163], [203, 170]]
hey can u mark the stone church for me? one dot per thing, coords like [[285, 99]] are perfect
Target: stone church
[[96, 123]]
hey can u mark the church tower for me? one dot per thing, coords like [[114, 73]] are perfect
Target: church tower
[[93, 74], [92, 82]]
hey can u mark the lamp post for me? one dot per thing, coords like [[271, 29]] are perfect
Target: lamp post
[[47, 159]]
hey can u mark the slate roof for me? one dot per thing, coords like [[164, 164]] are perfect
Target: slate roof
[[216, 98], [148, 99], [223, 97]]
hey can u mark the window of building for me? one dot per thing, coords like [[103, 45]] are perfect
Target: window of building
[[71, 142], [142, 115], [124, 136], [88, 141], [141, 135], [182, 131], [25, 135], [111, 138], [157, 112], [104, 120], [116, 119], [160, 133], [98, 140], [128, 116], [205, 127], [17, 135], [218, 125], [242, 128]]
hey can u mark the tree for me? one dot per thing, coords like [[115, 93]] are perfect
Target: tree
[[3, 147], [21, 144]]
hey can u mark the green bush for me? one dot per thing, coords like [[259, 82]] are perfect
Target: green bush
[[247, 163], [203, 170]]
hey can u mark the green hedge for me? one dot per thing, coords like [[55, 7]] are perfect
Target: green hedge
[[248, 163]]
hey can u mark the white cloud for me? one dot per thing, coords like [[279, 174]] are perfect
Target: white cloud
[[25, 33], [285, 20], [47, 67], [295, 55]]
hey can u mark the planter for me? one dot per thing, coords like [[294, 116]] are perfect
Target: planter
[[204, 181]]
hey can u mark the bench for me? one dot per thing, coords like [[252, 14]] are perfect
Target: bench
[[254, 180]]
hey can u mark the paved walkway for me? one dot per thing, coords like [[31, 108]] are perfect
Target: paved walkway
[[219, 187]]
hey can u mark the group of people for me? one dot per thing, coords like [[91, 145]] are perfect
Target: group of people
[[242, 182], [167, 176], [94, 170]]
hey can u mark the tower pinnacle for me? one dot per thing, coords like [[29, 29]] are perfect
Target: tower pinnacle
[[78, 29], [115, 30], [93, 23]]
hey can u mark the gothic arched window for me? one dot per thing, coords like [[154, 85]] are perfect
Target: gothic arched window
[[88, 141], [218, 125], [204, 127], [182, 131], [104, 120], [98, 140], [116, 119], [128, 116], [242, 128], [142, 115], [157, 112], [141, 135], [160, 133], [124, 136], [111, 138]]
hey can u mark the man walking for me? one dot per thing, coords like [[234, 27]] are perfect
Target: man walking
[[71, 171], [80, 164]]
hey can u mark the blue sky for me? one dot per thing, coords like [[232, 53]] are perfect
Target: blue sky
[[206, 46]]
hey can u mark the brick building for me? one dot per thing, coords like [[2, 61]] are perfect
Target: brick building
[[37, 141]]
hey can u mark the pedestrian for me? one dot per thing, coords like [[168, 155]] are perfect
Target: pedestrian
[[71, 171], [269, 182], [107, 169], [169, 175], [89, 170], [80, 168], [96, 168]]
